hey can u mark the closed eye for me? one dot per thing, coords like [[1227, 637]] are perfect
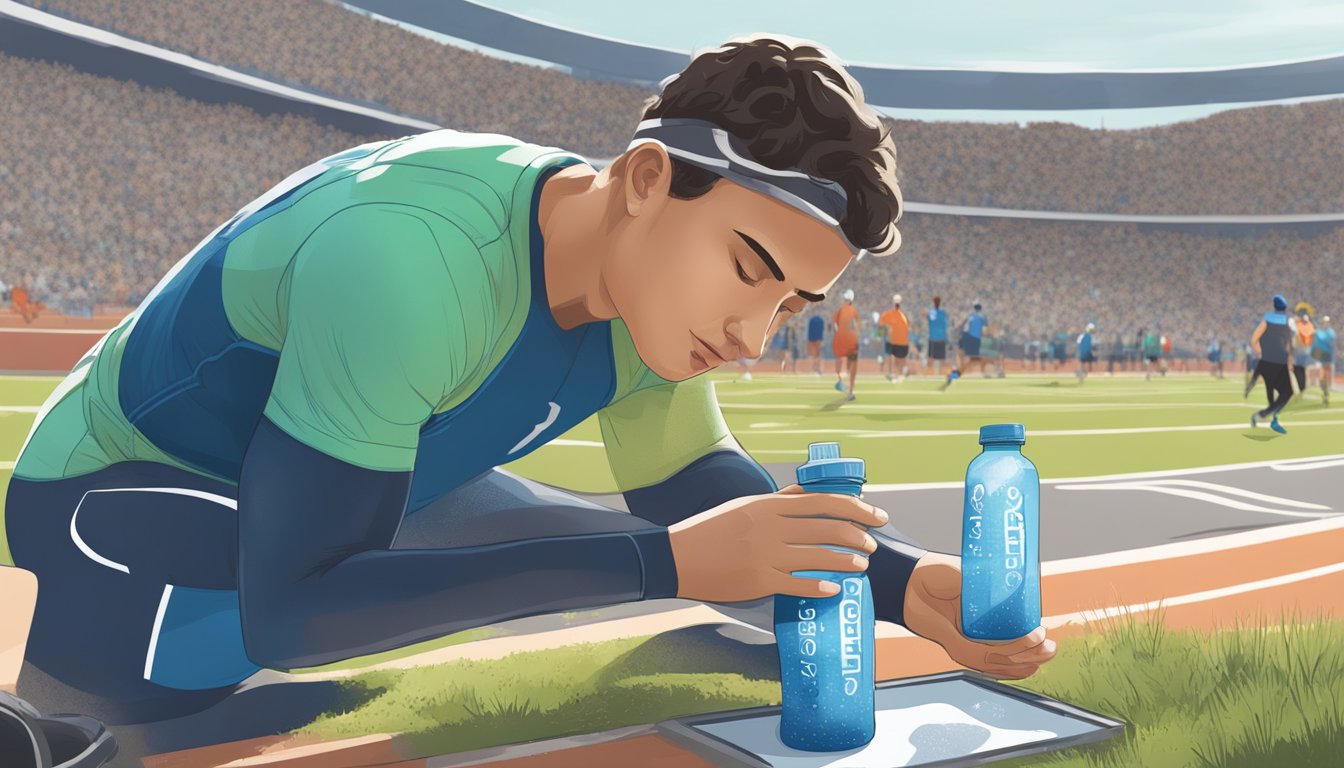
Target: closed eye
[[742, 274]]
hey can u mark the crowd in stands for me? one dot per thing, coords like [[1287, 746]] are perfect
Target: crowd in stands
[[1273, 159], [1037, 280], [109, 184], [116, 182]]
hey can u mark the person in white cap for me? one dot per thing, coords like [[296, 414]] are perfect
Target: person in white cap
[[895, 328], [1323, 350], [1086, 356], [845, 345]]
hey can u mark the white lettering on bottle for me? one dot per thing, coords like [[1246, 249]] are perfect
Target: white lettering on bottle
[[978, 506], [851, 634], [1014, 537]]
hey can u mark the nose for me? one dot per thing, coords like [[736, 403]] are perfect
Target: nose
[[750, 342]]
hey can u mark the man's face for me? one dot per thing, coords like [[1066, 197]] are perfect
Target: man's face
[[704, 281]]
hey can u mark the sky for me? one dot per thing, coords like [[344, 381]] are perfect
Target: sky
[[1025, 35]]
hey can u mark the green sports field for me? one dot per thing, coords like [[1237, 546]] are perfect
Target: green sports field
[[913, 432]]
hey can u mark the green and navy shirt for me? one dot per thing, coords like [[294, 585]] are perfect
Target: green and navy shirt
[[370, 305]]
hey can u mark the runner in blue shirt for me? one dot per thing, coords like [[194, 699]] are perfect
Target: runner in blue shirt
[[973, 329], [937, 324], [1085, 356], [1323, 349], [816, 333]]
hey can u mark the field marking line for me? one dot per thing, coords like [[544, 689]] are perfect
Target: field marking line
[[20, 408], [1191, 494], [1159, 473], [6, 465], [1314, 465], [1051, 622], [878, 433], [1065, 407]]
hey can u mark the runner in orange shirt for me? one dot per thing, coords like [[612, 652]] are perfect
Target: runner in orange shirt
[[896, 328], [845, 345]]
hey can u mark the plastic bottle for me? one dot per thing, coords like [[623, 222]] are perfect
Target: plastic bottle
[[1000, 550], [826, 643]]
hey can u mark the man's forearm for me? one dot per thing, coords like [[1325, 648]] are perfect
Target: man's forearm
[[724, 475], [701, 485], [319, 582]]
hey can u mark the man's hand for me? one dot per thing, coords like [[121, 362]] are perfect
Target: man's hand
[[747, 548], [933, 611]]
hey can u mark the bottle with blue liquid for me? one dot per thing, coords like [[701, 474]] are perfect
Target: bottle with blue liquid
[[1000, 553], [826, 643]]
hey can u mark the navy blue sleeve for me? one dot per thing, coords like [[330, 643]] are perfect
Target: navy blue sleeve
[[318, 581], [725, 475], [703, 484]]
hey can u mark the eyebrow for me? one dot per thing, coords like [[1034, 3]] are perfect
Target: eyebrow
[[774, 267]]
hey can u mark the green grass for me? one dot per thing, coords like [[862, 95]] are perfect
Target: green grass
[[1271, 694], [776, 416], [575, 689]]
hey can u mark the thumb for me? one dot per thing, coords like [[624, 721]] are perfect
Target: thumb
[[791, 489]]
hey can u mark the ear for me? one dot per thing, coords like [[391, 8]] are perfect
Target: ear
[[646, 175]]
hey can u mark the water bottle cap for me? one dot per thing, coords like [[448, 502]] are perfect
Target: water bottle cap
[[824, 463], [1003, 433]]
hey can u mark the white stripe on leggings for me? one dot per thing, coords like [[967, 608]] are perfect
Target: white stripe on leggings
[[97, 558], [158, 624]]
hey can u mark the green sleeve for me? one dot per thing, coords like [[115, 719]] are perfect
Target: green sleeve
[[375, 335], [659, 426]]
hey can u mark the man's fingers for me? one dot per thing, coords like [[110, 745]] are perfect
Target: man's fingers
[[1036, 655], [1010, 671], [835, 532], [833, 505], [805, 558], [1030, 640], [796, 585]]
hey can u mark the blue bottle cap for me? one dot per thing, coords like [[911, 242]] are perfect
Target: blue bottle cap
[[824, 463], [1003, 433]]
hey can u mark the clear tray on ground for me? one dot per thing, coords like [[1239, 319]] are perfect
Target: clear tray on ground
[[947, 720]]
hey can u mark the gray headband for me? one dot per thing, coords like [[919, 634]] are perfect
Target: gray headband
[[711, 148]]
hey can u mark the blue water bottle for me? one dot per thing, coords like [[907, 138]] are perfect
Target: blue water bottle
[[1000, 552], [826, 643]]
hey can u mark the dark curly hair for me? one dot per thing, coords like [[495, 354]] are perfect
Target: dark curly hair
[[794, 105]]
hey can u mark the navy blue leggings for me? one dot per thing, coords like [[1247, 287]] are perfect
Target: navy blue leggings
[[106, 546]]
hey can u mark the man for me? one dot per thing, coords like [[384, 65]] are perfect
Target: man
[[1116, 354], [816, 333], [789, 330], [1215, 356], [1085, 356], [845, 343], [937, 327], [287, 455], [896, 330], [1303, 338], [1323, 350], [1152, 355], [973, 329], [1272, 343]]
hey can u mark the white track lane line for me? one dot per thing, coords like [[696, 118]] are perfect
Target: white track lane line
[[1190, 494], [1180, 549], [1051, 622], [1312, 465], [877, 433]]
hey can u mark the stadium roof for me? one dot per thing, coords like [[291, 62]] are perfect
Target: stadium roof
[[1301, 38]]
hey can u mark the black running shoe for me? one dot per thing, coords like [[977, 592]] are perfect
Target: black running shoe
[[30, 740]]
